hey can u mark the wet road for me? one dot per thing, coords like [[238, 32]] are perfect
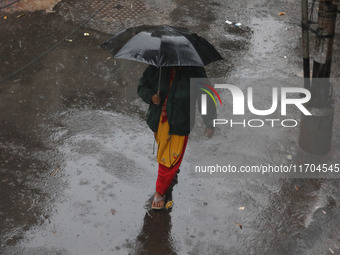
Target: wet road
[[76, 165]]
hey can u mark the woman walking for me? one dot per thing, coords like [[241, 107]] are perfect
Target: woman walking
[[169, 118]]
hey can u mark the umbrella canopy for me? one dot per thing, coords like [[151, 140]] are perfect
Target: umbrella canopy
[[162, 46]]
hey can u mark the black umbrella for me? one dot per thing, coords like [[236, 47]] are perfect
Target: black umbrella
[[162, 46]]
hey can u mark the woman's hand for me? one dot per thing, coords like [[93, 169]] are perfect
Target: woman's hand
[[209, 132], [156, 99]]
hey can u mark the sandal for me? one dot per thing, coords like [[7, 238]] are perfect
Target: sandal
[[156, 200]]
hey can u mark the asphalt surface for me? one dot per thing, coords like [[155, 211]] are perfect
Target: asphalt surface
[[77, 169]]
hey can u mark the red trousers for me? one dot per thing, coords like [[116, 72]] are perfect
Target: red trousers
[[167, 174]]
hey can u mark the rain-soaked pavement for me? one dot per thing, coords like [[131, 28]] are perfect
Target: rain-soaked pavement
[[76, 165]]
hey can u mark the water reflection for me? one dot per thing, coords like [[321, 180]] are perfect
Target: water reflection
[[155, 236], [298, 219], [23, 189]]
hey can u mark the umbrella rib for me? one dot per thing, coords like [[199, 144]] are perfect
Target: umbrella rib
[[163, 46]]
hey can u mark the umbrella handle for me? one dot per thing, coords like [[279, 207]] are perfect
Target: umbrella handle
[[159, 80]]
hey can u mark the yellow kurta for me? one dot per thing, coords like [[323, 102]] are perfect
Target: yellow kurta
[[170, 147]]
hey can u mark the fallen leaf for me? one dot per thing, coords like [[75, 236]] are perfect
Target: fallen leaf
[[118, 6], [297, 187], [113, 211], [20, 15], [282, 13], [242, 208], [168, 204], [69, 40], [5, 17], [238, 224], [55, 172]]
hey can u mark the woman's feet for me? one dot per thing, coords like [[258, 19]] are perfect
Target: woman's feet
[[158, 201]]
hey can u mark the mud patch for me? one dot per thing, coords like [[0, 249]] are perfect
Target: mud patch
[[30, 5]]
